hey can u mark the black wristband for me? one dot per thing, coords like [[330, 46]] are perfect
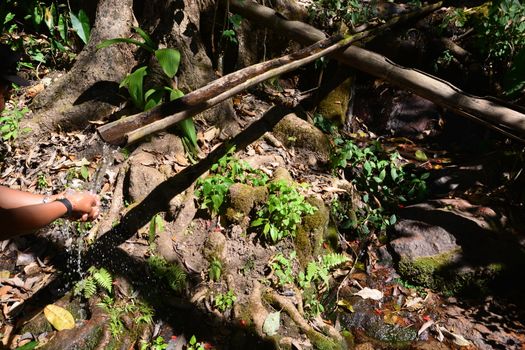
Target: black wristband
[[67, 204]]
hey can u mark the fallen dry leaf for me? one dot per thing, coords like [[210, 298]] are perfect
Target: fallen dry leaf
[[368, 293], [59, 317]]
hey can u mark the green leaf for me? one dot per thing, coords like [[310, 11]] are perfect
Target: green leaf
[[110, 42], [62, 27], [84, 172], [272, 323], [135, 84], [421, 156], [153, 97], [147, 39], [29, 346], [81, 25], [169, 60]]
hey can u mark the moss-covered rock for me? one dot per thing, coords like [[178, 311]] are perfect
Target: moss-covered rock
[[293, 131], [334, 106], [311, 232], [282, 174], [440, 272], [242, 199]]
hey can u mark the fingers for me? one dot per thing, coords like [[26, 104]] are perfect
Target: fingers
[[86, 205]]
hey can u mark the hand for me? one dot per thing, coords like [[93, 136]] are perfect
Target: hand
[[86, 206]]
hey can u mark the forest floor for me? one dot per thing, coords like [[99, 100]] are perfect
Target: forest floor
[[184, 271]]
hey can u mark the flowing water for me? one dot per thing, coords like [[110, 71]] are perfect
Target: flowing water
[[75, 234]]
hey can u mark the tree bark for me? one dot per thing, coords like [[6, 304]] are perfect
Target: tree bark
[[89, 90], [134, 127], [482, 110]]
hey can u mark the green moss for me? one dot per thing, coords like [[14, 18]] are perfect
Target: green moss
[[334, 106], [242, 199], [440, 273], [310, 233], [322, 342], [282, 174], [92, 340]]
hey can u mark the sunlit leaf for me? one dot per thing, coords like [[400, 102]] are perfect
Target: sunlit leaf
[[80, 24], [169, 60], [59, 317], [421, 156], [110, 42], [147, 39], [29, 346], [368, 293]]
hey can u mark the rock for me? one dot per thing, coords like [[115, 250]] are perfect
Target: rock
[[293, 131], [282, 174], [242, 199], [418, 239], [334, 106], [142, 180], [453, 246]]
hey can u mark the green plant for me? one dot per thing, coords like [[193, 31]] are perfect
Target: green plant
[[169, 61], [96, 279], [116, 310], [41, 181], [173, 274], [282, 268], [194, 345], [283, 212], [211, 190], [313, 280], [224, 301], [156, 225], [215, 270], [381, 181], [328, 13], [10, 123], [230, 33]]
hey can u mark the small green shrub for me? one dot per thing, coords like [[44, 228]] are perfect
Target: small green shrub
[[283, 213], [10, 123], [173, 274], [224, 301], [329, 13], [213, 189]]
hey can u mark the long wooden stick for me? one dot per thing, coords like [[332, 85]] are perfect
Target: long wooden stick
[[133, 128], [508, 121]]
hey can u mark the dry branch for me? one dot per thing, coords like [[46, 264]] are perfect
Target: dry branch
[[133, 128], [483, 110]]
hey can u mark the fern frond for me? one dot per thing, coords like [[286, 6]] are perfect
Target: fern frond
[[90, 288], [334, 259], [176, 277], [103, 279]]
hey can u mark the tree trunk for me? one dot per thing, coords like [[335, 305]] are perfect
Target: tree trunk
[[89, 90]]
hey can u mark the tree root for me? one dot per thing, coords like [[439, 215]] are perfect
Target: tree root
[[117, 201], [320, 341]]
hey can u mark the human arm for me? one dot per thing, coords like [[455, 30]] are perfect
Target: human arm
[[22, 212]]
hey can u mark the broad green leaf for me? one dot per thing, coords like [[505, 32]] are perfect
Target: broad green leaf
[[153, 98], [81, 25], [59, 317], [29, 346], [9, 17], [169, 60], [147, 39], [62, 27], [135, 84], [421, 156], [110, 42], [84, 172], [272, 323]]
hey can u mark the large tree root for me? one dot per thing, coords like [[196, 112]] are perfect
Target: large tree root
[[320, 341]]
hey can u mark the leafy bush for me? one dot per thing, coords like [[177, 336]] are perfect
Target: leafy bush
[[10, 123], [382, 184], [283, 212], [212, 190]]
